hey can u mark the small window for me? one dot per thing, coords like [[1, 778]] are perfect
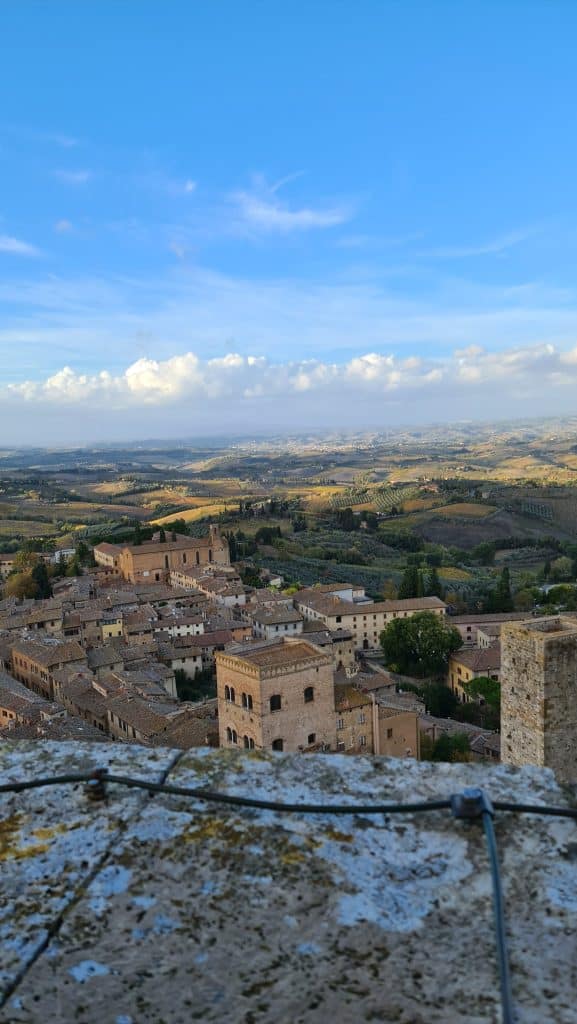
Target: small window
[[227, 693], [341, 745], [339, 618], [184, 556], [340, 723], [246, 742], [275, 702], [312, 738], [309, 694], [234, 736], [362, 741], [229, 734], [362, 718], [197, 557], [209, 555], [277, 745], [389, 734], [232, 695]]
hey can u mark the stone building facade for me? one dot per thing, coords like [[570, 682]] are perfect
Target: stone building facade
[[153, 561], [365, 619], [276, 697], [539, 694]]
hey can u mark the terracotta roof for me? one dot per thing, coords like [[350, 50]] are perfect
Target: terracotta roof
[[271, 616], [108, 549], [346, 697], [283, 655], [47, 653], [479, 659]]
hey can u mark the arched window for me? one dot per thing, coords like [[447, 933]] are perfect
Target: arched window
[[227, 693], [184, 557], [234, 736], [210, 554], [309, 694], [275, 703], [312, 738], [229, 734], [251, 743], [246, 742], [232, 695], [247, 701], [277, 745], [197, 557]]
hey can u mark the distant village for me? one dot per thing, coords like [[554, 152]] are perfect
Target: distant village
[[160, 643]]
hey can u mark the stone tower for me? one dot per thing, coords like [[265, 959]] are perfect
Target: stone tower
[[539, 694]]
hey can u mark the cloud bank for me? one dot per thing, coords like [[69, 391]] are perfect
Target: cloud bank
[[245, 380]]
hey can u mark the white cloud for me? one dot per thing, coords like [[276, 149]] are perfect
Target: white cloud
[[238, 380], [494, 246], [262, 211], [17, 246], [63, 226], [79, 177]]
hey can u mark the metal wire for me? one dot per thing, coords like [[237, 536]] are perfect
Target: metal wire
[[212, 796], [499, 914]]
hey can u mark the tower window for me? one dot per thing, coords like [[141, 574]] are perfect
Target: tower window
[[312, 738], [277, 745], [309, 694], [275, 703]]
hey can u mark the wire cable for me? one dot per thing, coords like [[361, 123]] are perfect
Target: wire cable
[[97, 781], [557, 812], [499, 914]]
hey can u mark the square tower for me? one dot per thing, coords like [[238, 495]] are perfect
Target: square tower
[[539, 694], [276, 696]]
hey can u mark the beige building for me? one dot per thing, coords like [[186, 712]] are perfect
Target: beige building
[[153, 561], [277, 696], [397, 733], [341, 645], [538, 694], [471, 663], [270, 623], [354, 720], [32, 662], [365, 619]]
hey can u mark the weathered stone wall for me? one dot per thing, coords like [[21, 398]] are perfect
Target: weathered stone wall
[[539, 695], [296, 720], [145, 910]]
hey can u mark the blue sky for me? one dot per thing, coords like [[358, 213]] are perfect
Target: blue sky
[[224, 216]]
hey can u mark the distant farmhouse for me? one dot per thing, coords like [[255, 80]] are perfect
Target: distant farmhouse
[[152, 561]]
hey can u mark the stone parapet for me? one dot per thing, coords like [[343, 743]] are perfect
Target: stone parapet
[[170, 909]]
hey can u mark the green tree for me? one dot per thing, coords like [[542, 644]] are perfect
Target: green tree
[[438, 699], [524, 600], [485, 689], [420, 644], [561, 568], [161, 536], [410, 583], [452, 748], [501, 599], [434, 588], [21, 585], [137, 537], [40, 576]]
